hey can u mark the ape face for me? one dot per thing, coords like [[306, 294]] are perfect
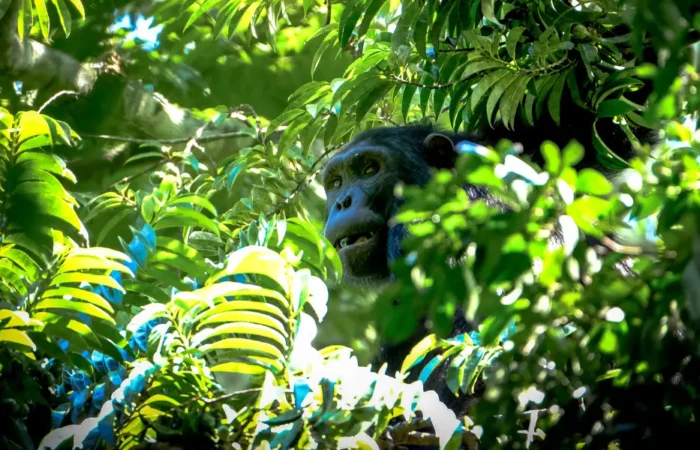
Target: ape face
[[359, 182]]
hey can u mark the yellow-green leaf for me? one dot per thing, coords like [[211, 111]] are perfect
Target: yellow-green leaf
[[80, 294], [17, 337], [256, 260], [86, 308], [247, 346], [63, 15], [238, 368], [239, 305], [89, 262], [245, 316], [80, 277], [240, 328], [418, 352], [79, 6], [43, 15]]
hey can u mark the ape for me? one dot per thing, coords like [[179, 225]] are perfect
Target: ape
[[359, 181]]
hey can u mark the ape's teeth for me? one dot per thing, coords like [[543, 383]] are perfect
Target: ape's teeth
[[361, 240], [343, 242]]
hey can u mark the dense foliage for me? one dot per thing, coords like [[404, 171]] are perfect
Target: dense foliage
[[163, 275]]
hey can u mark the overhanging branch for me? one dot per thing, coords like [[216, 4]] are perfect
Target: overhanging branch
[[135, 113]]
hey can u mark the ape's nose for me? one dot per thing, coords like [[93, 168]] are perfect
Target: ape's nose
[[344, 202]]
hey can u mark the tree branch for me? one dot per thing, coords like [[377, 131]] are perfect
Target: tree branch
[[35, 64], [132, 114], [51, 100], [184, 140]]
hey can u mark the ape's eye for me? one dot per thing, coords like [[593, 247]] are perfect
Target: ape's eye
[[371, 169], [335, 183]]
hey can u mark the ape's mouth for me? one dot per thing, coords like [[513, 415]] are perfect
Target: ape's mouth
[[355, 240]]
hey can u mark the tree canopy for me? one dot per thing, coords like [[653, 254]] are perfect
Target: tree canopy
[[164, 278]]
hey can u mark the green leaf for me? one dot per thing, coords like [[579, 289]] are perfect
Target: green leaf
[[194, 200], [408, 93], [443, 12], [554, 101], [80, 277], [81, 307], [487, 9], [370, 13], [25, 18], [574, 90], [43, 15], [114, 221], [180, 262], [592, 182], [239, 368], [511, 100], [418, 352], [320, 51], [79, 6], [80, 294], [16, 337], [283, 118], [543, 86], [145, 155], [615, 107], [589, 54], [512, 41], [528, 109], [245, 346], [586, 212], [430, 367], [160, 398], [181, 217], [367, 102], [573, 153], [89, 262], [608, 342], [205, 7], [403, 27], [63, 15], [421, 30], [481, 65], [243, 328], [109, 205], [251, 317], [255, 260], [552, 157], [497, 93], [613, 86], [348, 20], [241, 305], [609, 158]]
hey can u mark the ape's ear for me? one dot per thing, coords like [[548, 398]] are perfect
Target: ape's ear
[[439, 151]]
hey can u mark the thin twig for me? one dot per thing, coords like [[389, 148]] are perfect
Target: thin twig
[[59, 94], [429, 86], [210, 138], [328, 17], [131, 178], [305, 181], [631, 250], [251, 111], [457, 50]]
